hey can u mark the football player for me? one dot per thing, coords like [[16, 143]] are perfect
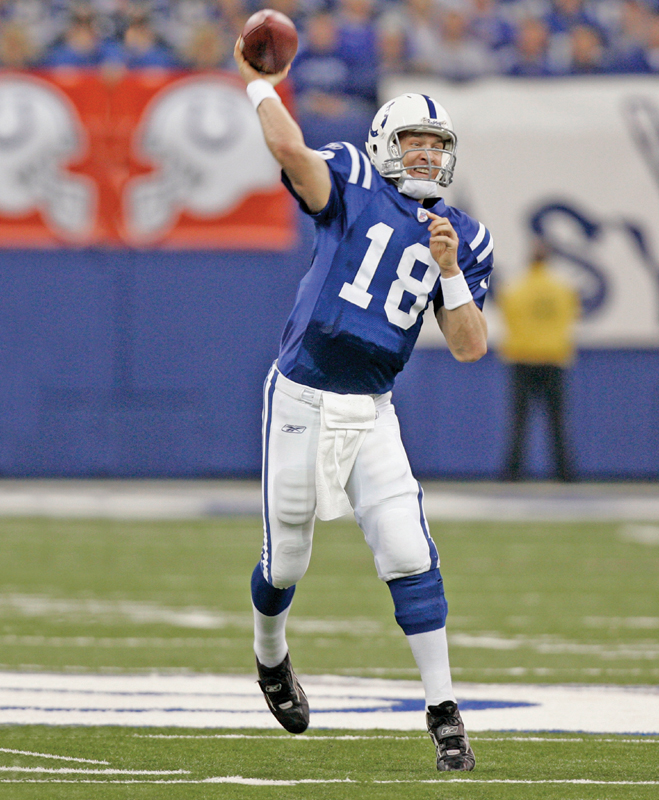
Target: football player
[[386, 247]]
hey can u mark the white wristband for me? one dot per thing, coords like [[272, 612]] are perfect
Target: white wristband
[[455, 291], [259, 89]]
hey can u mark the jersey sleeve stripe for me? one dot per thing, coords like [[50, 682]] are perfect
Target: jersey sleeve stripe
[[473, 244], [356, 164], [368, 172], [486, 252]]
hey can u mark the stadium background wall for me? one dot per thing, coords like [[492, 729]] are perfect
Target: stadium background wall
[[150, 363], [136, 328]]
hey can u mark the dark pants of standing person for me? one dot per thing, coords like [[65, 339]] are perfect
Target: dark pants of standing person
[[542, 382]]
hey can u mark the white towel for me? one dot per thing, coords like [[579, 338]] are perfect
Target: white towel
[[345, 420]]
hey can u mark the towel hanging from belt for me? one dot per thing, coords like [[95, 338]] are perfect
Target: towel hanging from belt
[[345, 420]]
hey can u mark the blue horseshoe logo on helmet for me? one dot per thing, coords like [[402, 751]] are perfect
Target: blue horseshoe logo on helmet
[[384, 120]]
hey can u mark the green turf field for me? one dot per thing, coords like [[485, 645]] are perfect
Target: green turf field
[[545, 602], [332, 766], [532, 603]]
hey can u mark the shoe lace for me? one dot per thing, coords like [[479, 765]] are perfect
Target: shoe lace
[[279, 686], [454, 743], [450, 742]]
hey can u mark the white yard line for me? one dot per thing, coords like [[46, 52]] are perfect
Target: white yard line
[[643, 651], [549, 644], [420, 737], [230, 779], [275, 737], [559, 739], [72, 771], [146, 613], [238, 779], [142, 613], [571, 781], [108, 611], [110, 642], [50, 755]]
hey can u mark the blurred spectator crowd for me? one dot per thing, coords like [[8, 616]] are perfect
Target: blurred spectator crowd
[[345, 45]]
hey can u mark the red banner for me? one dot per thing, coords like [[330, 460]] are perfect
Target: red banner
[[155, 159]]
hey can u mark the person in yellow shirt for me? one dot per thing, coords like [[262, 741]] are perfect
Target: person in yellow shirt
[[540, 311]]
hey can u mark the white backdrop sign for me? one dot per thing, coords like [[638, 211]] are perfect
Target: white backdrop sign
[[577, 161]]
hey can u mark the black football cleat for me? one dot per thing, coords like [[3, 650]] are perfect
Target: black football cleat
[[447, 732], [284, 695]]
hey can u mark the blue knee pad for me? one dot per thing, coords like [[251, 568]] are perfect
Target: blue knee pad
[[267, 599], [419, 602]]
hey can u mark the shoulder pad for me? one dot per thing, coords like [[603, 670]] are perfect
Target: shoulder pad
[[352, 164]]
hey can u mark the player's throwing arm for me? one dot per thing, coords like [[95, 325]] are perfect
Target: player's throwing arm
[[307, 171]]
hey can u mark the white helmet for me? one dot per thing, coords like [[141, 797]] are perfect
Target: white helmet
[[411, 112]]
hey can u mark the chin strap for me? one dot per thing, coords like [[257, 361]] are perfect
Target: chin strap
[[419, 190]]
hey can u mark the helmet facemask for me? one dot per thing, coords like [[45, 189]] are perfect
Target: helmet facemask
[[440, 158]]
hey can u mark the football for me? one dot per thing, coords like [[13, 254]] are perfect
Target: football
[[269, 41]]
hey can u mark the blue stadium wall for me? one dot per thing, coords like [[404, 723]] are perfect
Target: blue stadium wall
[[150, 364]]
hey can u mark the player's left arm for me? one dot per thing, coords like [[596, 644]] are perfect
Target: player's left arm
[[464, 327]]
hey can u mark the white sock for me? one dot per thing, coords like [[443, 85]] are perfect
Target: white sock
[[270, 637], [430, 651]]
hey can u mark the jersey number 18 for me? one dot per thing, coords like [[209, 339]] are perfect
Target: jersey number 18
[[357, 291]]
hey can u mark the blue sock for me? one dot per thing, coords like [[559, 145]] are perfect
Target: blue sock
[[419, 602]]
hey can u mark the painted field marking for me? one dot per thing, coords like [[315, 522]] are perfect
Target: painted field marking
[[571, 781], [271, 738], [49, 755], [73, 771], [211, 619], [411, 673], [238, 779], [559, 739], [350, 737], [358, 704], [107, 642], [546, 644], [517, 672]]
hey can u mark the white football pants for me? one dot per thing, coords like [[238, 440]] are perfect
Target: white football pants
[[386, 499]]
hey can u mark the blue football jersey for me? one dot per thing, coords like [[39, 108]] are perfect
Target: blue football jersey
[[359, 308]]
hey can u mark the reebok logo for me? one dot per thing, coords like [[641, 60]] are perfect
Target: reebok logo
[[448, 730], [294, 428], [274, 687]]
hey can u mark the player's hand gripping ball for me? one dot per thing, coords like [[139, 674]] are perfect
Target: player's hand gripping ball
[[269, 41]]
